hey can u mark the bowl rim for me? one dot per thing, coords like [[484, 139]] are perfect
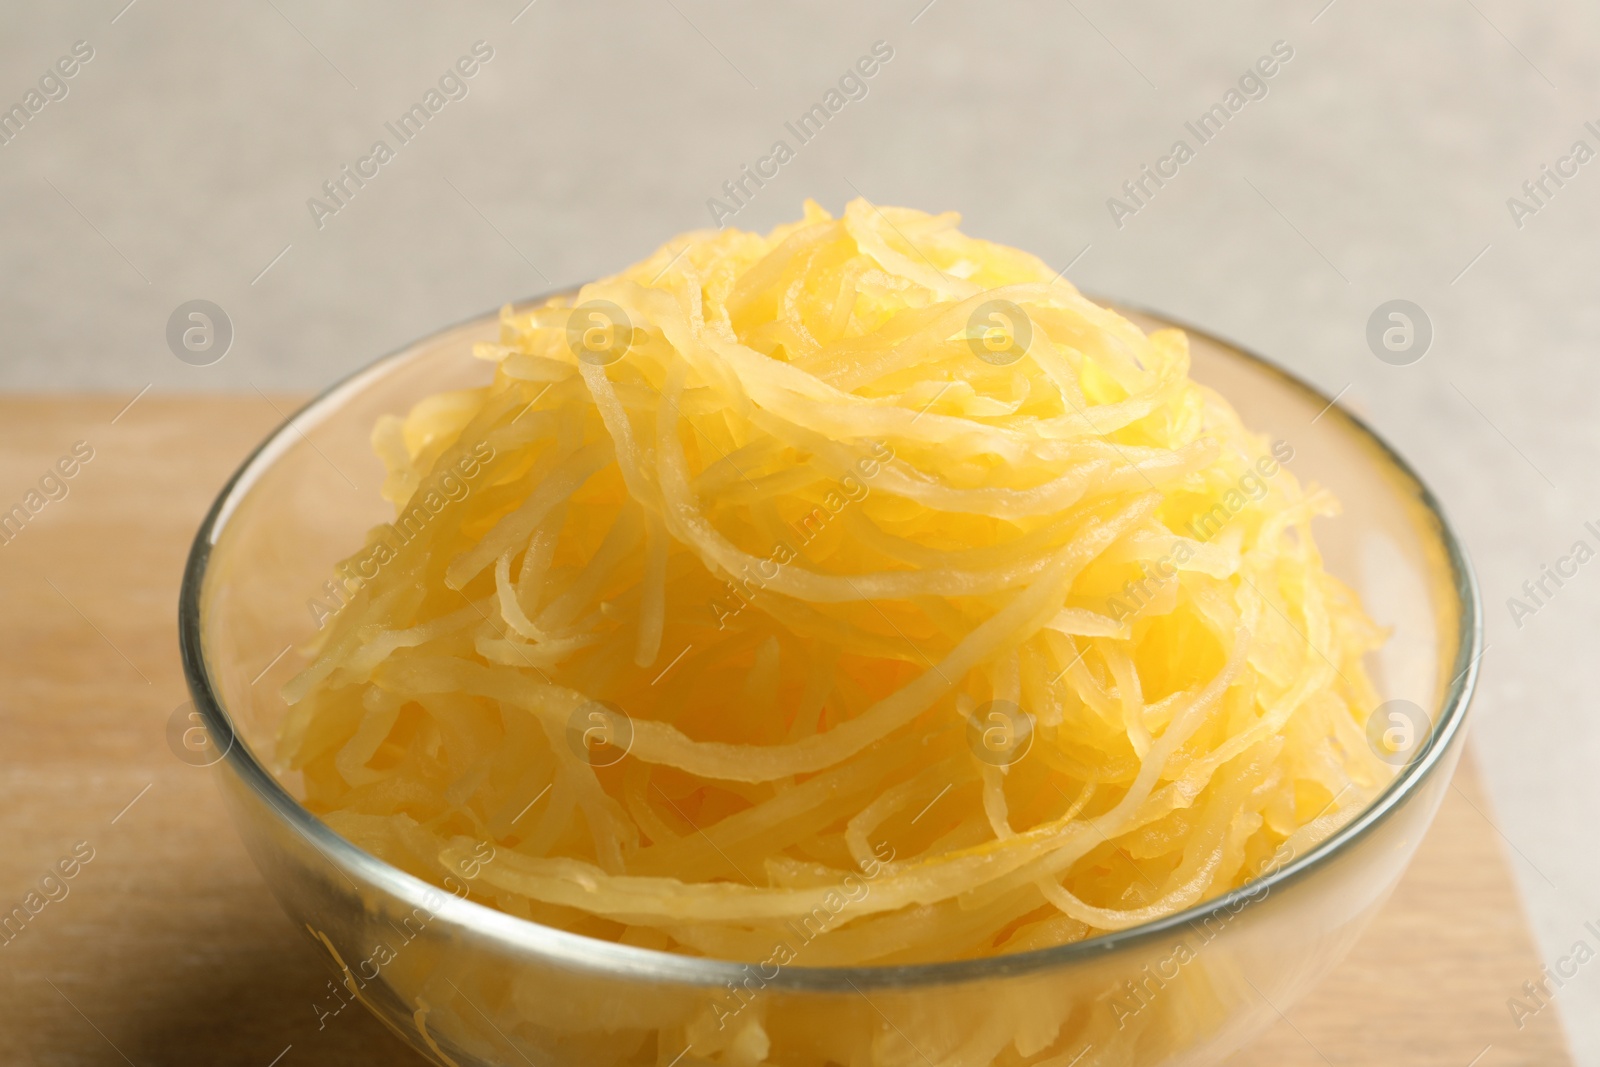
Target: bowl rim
[[580, 952]]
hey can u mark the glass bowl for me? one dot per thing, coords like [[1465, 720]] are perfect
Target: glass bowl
[[466, 984]]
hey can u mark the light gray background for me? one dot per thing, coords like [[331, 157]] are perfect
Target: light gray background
[[1378, 167]]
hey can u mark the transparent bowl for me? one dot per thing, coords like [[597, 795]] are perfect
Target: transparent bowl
[[465, 984]]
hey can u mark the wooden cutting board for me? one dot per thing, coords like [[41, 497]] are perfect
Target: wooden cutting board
[[167, 948]]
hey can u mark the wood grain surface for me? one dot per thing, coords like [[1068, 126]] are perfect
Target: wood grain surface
[[167, 948]]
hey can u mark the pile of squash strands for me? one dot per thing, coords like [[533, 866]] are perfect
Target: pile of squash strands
[[786, 554]]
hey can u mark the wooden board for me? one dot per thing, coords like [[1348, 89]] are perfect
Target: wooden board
[[167, 947]]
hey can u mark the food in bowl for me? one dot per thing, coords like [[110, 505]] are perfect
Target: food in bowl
[[856, 594]]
